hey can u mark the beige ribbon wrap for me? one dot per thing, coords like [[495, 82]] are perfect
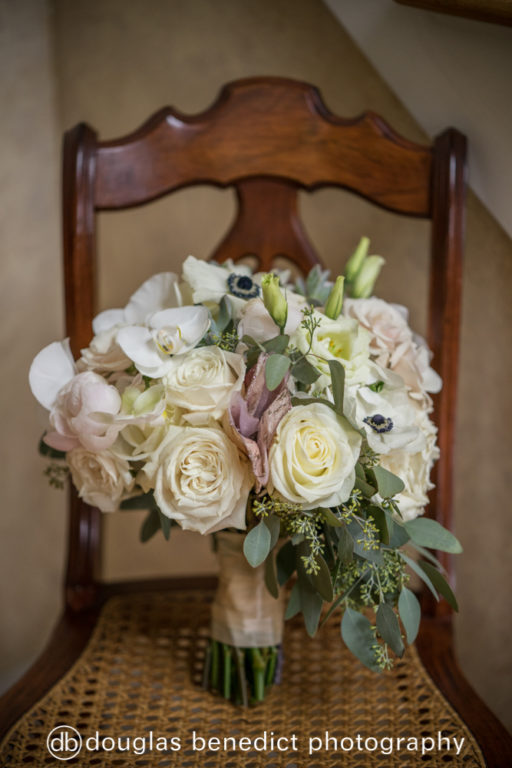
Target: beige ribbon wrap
[[244, 613]]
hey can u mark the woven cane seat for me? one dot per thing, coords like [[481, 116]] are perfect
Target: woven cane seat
[[141, 672]]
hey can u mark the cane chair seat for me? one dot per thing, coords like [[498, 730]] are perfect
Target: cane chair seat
[[141, 672]]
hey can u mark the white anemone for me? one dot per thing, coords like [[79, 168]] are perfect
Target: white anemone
[[169, 332]]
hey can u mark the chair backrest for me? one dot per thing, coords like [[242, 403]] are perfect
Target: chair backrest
[[267, 137]]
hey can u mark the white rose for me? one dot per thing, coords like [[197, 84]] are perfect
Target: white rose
[[313, 455], [343, 340], [200, 479], [101, 479], [203, 381], [104, 354], [256, 321], [414, 469]]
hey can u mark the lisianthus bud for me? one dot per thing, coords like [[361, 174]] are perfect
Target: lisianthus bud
[[355, 262], [364, 281], [335, 299], [274, 300]]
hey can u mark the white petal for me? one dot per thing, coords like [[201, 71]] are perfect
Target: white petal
[[159, 292], [192, 321], [137, 343], [107, 320], [208, 281], [51, 369]]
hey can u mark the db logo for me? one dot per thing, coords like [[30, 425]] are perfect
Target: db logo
[[64, 742]]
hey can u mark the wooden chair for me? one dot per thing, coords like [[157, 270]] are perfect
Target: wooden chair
[[267, 137]]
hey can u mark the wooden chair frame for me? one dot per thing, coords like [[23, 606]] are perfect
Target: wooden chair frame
[[267, 137]]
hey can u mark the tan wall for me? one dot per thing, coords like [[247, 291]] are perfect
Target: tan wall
[[117, 62], [32, 516]]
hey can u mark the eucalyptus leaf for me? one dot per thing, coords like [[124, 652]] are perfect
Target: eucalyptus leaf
[[311, 401], [285, 562], [270, 576], [410, 613], [165, 525], [321, 580], [338, 384], [276, 369], [311, 604], [294, 605], [420, 572], [273, 523], [144, 501], [330, 518], [440, 584], [257, 544], [389, 628], [225, 315], [380, 520], [358, 636], [386, 482], [345, 545], [365, 487], [277, 344], [304, 372], [428, 555], [399, 535], [429, 533], [150, 525]]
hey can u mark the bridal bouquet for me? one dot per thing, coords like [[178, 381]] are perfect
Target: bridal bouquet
[[289, 420]]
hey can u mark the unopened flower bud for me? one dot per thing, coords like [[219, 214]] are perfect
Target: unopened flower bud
[[355, 262], [364, 281], [335, 299], [274, 300]]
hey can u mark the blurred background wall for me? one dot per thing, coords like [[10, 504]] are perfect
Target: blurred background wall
[[113, 63]]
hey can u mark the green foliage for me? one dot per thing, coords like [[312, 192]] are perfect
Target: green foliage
[[429, 533], [386, 482], [389, 628], [257, 544], [410, 613], [56, 474], [338, 384], [316, 287], [276, 368], [359, 637], [440, 584]]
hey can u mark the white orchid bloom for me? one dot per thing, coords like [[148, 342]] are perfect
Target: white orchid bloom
[[167, 333], [162, 291], [52, 368]]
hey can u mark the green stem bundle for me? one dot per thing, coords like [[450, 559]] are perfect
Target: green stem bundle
[[241, 675]]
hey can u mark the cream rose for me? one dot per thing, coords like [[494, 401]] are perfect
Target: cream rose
[[203, 381], [200, 479], [104, 354], [102, 479], [313, 455]]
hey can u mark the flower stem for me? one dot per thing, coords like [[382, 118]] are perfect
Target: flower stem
[[226, 654]]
